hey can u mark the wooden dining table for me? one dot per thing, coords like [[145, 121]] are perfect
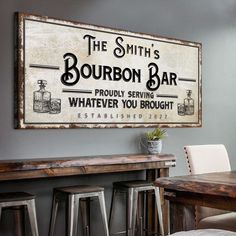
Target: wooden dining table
[[216, 190]]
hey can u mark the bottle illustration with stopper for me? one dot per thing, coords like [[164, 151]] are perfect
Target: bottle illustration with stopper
[[189, 103], [42, 98]]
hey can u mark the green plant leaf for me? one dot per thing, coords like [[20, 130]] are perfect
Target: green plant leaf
[[156, 134]]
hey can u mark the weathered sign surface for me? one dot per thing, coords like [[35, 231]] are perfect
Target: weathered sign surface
[[77, 75]]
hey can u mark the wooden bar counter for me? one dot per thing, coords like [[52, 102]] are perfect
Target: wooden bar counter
[[68, 166], [154, 165]]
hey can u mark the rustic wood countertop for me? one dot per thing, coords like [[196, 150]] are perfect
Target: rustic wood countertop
[[67, 166], [216, 183]]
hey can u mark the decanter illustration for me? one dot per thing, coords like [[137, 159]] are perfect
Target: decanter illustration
[[42, 98], [189, 103]]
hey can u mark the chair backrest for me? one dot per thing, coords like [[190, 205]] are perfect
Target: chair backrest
[[207, 158]]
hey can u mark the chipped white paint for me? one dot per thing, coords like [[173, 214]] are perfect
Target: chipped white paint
[[100, 77]]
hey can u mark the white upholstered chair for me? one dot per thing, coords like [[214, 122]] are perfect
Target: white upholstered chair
[[207, 159], [205, 232]]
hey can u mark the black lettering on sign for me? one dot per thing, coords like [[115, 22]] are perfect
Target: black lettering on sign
[[119, 51], [156, 79], [69, 78], [73, 73], [95, 45]]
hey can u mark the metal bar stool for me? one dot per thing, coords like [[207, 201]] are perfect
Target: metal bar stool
[[72, 196], [16, 200], [132, 190]]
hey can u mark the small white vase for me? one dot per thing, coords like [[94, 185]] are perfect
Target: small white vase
[[154, 147]]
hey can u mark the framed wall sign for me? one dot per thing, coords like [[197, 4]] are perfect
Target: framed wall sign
[[73, 75]]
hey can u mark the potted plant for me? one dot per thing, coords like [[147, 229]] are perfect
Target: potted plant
[[154, 140]]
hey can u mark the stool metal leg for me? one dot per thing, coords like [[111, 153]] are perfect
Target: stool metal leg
[[159, 210], [53, 215], [73, 209], [134, 211], [103, 211], [130, 205], [113, 201], [32, 217]]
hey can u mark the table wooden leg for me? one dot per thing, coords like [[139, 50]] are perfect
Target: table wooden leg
[[140, 215], [19, 217], [165, 204], [152, 218], [85, 211], [182, 217]]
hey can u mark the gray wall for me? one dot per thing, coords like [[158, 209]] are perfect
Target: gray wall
[[211, 22]]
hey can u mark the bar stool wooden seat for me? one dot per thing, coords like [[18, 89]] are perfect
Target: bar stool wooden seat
[[72, 196], [132, 190], [23, 200]]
